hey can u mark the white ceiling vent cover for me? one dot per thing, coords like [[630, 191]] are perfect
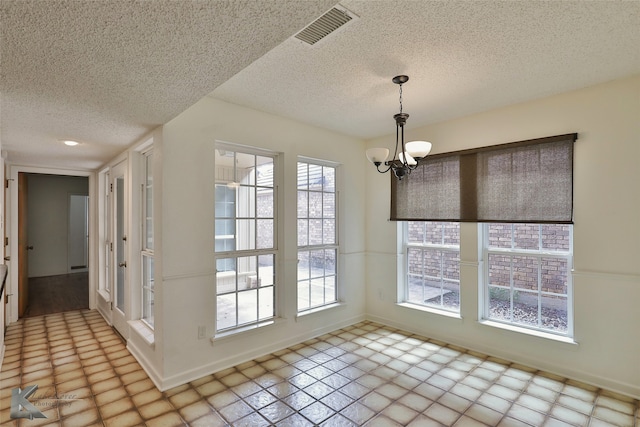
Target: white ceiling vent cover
[[325, 25]]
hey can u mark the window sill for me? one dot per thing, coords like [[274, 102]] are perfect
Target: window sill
[[143, 330], [105, 295], [246, 330], [319, 309], [531, 332], [432, 310]]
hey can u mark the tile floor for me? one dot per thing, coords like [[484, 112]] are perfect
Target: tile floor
[[366, 374]]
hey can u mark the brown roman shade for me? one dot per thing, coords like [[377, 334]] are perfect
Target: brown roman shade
[[525, 181]]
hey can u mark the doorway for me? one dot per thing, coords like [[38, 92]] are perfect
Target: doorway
[[53, 232]]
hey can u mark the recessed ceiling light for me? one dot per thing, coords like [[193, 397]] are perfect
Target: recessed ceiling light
[[71, 143]]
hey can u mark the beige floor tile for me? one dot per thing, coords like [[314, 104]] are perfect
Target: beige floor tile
[[155, 409], [106, 385], [209, 388], [71, 407], [170, 419], [97, 368], [222, 399], [70, 386], [128, 368], [613, 417], [196, 411], [116, 407], [184, 398], [365, 374], [132, 377], [126, 419], [146, 397], [110, 396], [139, 386], [210, 420], [68, 376], [483, 414]]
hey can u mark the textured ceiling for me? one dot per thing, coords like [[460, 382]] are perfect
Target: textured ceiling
[[461, 58], [107, 72]]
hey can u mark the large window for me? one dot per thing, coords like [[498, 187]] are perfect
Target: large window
[[317, 235], [245, 237], [147, 240], [527, 280], [432, 251]]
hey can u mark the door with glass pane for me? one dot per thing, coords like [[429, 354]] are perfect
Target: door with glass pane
[[119, 287]]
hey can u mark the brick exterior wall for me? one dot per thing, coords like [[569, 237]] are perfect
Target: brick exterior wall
[[553, 271]]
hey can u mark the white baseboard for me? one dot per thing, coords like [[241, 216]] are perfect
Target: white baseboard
[[155, 377], [219, 365]]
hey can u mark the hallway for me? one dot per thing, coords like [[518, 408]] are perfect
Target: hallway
[[365, 374], [57, 294]]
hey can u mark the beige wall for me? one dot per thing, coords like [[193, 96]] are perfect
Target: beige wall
[[185, 298], [606, 277]]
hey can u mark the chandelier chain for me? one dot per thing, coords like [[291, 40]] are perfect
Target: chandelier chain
[[401, 97]]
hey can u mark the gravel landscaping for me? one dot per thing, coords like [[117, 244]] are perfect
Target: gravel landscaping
[[553, 320]]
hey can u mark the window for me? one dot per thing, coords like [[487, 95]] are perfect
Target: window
[[245, 237], [527, 281], [432, 251], [317, 235], [104, 207], [147, 240]]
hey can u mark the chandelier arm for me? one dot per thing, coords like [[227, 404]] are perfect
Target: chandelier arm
[[390, 164], [395, 152], [405, 161]]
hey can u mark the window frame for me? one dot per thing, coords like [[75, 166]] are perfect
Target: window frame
[[334, 247], [256, 251], [104, 207], [442, 247], [147, 292], [484, 302]]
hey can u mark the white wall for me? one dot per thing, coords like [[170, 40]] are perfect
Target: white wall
[[606, 279], [186, 292]]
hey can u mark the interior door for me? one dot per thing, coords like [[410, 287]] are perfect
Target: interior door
[[120, 286], [6, 257], [23, 246], [78, 232]]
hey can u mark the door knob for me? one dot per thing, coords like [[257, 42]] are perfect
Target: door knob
[[122, 264], [30, 248]]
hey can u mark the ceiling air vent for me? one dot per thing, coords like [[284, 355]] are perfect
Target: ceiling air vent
[[325, 25]]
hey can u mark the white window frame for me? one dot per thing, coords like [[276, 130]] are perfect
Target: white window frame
[[104, 208], [249, 253], [147, 251], [450, 248], [334, 247], [540, 253]]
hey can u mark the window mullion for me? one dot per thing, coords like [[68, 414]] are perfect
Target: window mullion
[[539, 262], [511, 285]]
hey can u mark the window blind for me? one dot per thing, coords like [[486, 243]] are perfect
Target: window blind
[[524, 181]]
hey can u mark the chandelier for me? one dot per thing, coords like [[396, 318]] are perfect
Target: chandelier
[[406, 160]]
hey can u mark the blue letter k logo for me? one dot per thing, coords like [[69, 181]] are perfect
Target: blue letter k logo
[[21, 407]]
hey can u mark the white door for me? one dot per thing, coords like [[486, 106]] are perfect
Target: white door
[[120, 284], [78, 232]]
